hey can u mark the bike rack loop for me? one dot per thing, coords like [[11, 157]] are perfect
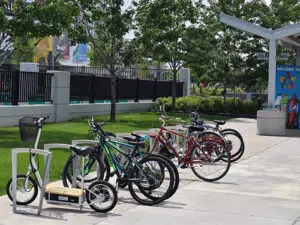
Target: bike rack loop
[[48, 147], [14, 153]]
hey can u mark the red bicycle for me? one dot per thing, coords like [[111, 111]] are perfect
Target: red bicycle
[[208, 157]]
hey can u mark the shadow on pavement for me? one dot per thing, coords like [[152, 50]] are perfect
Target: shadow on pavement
[[58, 213]]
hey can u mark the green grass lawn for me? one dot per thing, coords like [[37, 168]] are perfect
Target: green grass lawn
[[68, 131]]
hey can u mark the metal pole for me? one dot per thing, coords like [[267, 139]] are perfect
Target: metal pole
[[14, 179], [272, 72], [45, 181]]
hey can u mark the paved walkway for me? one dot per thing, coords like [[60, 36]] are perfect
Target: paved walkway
[[263, 188]]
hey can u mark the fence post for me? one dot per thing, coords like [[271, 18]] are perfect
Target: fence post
[[92, 89], [60, 92], [137, 90], [171, 86], [154, 92], [15, 87], [184, 76]]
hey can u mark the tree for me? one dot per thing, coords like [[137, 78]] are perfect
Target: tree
[[24, 51], [32, 20], [104, 25], [233, 57], [162, 29]]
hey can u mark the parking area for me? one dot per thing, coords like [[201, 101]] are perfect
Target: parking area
[[262, 188]]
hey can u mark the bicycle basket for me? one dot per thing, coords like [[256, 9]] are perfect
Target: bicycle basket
[[28, 127]]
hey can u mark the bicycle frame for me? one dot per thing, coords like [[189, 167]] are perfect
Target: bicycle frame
[[32, 168], [131, 159], [161, 138]]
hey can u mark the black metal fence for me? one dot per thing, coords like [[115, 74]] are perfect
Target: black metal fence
[[129, 73], [16, 86], [93, 88]]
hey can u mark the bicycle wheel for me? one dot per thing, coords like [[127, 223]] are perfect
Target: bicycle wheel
[[27, 190], [175, 171], [147, 185], [207, 162], [101, 196], [236, 156], [93, 166], [235, 144]]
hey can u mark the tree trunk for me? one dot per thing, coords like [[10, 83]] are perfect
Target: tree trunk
[[174, 90], [113, 96], [225, 91], [234, 92]]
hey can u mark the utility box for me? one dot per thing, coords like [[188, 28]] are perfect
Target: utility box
[[271, 122]]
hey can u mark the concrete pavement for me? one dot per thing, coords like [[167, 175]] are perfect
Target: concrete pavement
[[262, 188]]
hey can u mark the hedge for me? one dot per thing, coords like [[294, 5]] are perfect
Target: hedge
[[213, 104]]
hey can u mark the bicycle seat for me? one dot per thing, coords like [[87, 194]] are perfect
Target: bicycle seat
[[130, 138], [198, 122], [219, 122], [82, 151]]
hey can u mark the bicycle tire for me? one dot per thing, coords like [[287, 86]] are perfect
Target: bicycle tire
[[176, 173], [112, 189], [67, 177], [151, 201], [224, 148], [176, 176], [240, 153], [35, 188]]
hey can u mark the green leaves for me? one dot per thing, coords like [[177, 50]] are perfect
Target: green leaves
[[162, 28], [34, 20]]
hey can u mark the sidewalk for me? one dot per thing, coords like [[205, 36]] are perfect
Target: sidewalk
[[263, 188]]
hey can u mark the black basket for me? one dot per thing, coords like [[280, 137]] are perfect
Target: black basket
[[28, 128]]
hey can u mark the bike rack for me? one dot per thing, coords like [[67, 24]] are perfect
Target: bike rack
[[83, 142], [48, 147], [47, 155]]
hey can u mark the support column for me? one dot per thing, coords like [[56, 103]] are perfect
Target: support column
[[184, 76], [297, 56], [60, 94], [272, 72]]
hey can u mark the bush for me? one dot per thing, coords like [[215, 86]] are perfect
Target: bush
[[212, 104], [163, 101], [216, 104]]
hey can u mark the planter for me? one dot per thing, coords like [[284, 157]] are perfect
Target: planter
[[271, 122]]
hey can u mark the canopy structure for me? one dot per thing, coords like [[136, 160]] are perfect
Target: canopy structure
[[288, 36]]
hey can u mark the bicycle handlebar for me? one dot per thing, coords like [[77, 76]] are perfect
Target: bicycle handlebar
[[41, 120]]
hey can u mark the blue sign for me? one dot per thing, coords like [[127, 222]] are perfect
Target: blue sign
[[80, 53], [287, 93]]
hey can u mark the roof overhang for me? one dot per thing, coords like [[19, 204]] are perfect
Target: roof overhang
[[288, 36]]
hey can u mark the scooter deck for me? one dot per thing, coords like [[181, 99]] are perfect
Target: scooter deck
[[53, 189]]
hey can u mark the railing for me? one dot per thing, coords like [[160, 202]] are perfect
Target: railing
[[16, 86], [129, 73], [93, 88]]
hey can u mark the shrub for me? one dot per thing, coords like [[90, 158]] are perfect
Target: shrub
[[212, 104], [163, 101], [216, 104]]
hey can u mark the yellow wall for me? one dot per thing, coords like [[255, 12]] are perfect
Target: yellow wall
[[43, 49]]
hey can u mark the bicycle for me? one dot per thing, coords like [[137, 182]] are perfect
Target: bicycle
[[208, 151], [147, 174], [135, 143], [100, 196], [230, 136]]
